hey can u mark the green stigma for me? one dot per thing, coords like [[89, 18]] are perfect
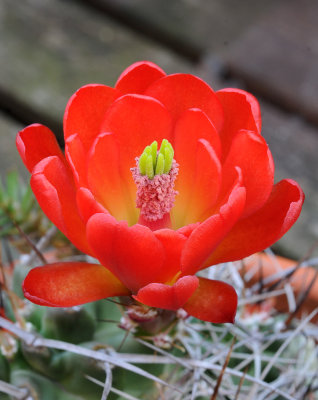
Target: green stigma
[[153, 162]]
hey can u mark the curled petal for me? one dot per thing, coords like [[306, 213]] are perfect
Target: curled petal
[[188, 229], [36, 142], [265, 227], [85, 112], [205, 238], [133, 254], [236, 181], [137, 77], [54, 189], [173, 243], [168, 297], [179, 92], [87, 205], [76, 157], [213, 301], [250, 153], [241, 111], [71, 283]]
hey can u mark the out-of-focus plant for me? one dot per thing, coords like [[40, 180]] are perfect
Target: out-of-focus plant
[[22, 221], [18, 207]]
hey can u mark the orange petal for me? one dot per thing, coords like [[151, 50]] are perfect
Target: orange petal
[[263, 228], [213, 301], [137, 77], [54, 189], [85, 112], [168, 297], [241, 111], [71, 283], [36, 142], [250, 152], [179, 92]]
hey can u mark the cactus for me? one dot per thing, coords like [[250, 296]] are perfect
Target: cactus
[[21, 219], [18, 208]]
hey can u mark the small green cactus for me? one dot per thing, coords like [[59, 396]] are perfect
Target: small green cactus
[[18, 208]]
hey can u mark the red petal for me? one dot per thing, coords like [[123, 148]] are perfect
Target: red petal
[[180, 92], [137, 77], [192, 126], [136, 121], [208, 178], [241, 111], [173, 243], [87, 204], [226, 190], [263, 228], [36, 142], [104, 180], [76, 157], [133, 254], [188, 229], [168, 297], [85, 112], [200, 195], [213, 301], [54, 189], [250, 152], [69, 284], [209, 234]]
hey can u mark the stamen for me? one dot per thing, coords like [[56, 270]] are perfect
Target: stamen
[[152, 162], [155, 176]]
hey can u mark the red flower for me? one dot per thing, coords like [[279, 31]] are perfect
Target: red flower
[[226, 208]]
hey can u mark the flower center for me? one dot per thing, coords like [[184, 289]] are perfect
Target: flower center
[[154, 175]]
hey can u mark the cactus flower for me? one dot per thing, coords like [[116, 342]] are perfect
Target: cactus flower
[[161, 178]]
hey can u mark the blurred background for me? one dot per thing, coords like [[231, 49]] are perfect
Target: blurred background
[[49, 48]]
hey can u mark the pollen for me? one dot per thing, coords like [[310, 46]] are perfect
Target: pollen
[[155, 174]]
